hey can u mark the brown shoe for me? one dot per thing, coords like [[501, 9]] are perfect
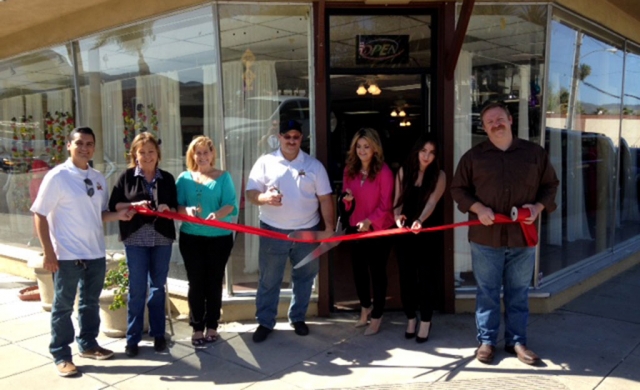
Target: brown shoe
[[97, 353], [524, 354], [485, 353], [66, 369]]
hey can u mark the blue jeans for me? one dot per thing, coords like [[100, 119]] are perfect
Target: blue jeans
[[148, 267], [273, 259], [492, 269], [88, 277]]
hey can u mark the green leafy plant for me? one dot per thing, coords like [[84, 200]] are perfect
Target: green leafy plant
[[118, 280]]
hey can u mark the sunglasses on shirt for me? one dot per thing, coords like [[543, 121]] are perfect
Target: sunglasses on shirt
[[89, 186]]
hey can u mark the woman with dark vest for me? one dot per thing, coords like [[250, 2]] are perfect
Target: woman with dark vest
[[147, 240]]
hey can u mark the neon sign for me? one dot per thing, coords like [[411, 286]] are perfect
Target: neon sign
[[382, 49]]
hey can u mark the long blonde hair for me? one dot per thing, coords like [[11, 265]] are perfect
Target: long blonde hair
[[200, 140], [138, 142], [353, 163]]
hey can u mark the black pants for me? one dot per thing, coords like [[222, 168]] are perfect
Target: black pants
[[416, 269], [205, 259], [369, 260]]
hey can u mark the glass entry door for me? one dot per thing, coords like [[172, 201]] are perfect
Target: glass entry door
[[396, 106]]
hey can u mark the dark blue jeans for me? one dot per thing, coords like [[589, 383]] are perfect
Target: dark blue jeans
[[148, 267], [273, 258], [511, 269], [88, 277]]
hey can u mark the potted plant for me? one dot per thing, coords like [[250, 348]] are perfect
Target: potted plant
[[113, 300]]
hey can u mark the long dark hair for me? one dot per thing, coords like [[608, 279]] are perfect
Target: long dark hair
[[411, 169]]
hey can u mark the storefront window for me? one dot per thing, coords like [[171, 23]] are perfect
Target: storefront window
[[36, 108], [152, 75], [628, 215], [266, 76], [501, 60], [582, 137]]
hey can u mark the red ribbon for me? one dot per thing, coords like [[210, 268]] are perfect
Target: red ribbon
[[530, 232]]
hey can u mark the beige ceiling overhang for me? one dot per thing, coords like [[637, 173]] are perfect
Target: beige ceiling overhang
[[29, 25]]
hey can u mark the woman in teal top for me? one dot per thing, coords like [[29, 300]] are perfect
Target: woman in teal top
[[208, 193]]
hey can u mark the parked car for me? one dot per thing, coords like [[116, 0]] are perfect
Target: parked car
[[261, 121]]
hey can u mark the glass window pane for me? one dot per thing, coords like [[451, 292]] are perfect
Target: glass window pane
[[583, 123], [628, 224], [375, 41], [154, 76], [502, 59], [36, 113], [265, 72]]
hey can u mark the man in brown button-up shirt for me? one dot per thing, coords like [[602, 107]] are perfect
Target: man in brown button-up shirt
[[493, 177]]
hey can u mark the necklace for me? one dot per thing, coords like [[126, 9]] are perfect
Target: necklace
[[363, 178]]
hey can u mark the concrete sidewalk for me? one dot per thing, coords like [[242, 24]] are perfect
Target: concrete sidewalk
[[591, 343]]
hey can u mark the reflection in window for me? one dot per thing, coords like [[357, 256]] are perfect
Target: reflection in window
[[582, 124], [501, 60], [627, 213], [36, 113]]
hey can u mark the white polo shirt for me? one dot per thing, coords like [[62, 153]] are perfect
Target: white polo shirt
[[300, 182], [75, 218]]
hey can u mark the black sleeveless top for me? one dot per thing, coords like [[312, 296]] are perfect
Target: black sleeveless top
[[413, 203]]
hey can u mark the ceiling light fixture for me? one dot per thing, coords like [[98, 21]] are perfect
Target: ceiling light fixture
[[370, 87], [402, 113], [394, 113]]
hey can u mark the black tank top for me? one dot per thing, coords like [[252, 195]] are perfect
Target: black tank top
[[413, 203]]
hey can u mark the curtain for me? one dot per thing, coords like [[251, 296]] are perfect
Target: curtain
[[462, 143], [241, 134], [163, 91], [212, 109], [60, 100], [10, 108], [112, 125], [33, 107], [629, 191], [577, 224], [554, 226], [523, 107]]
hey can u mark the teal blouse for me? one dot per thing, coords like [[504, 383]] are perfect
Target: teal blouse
[[210, 197]]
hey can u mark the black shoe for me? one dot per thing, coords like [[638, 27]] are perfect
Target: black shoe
[[261, 334], [159, 344], [131, 350], [421, 340], [410, 335], [300, 328]]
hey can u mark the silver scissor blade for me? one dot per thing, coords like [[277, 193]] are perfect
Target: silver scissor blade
[[316, 253]]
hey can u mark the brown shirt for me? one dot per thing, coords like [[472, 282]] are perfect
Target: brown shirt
[[500, 180]]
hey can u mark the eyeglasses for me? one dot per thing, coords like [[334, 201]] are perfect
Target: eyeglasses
[[89, 185], [291, 137]]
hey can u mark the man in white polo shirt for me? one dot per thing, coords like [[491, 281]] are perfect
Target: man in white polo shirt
[[293, 192], [69, 210]]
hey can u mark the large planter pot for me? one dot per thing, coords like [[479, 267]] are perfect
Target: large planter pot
[[45, 286], [113, 323]]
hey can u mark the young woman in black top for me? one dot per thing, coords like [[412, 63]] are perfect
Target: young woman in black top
[[419, 186]]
